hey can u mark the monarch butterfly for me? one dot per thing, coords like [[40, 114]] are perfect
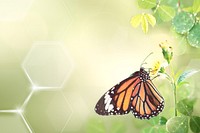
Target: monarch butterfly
[[136, 93]]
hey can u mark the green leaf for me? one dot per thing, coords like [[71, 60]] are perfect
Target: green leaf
[[118, 127], [166, 13], [151, 19], [196, 6], [183, 83], [160, 120], [177, 125], [147, 4], [95, 126], [144, 24], [136, 20], [172, 3], [195, 124], [186, 75], [183, 22], [158, 19], [194, 36], [185, 106]]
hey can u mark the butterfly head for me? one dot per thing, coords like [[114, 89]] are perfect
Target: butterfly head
[[144, 75]]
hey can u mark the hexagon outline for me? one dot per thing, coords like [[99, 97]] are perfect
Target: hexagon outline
[[71, 109], [19, 112], [66, 53]]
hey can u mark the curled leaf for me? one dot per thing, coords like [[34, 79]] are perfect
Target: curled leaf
[[186, 75]]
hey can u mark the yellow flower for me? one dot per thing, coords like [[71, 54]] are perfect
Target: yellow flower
[[156, 68]]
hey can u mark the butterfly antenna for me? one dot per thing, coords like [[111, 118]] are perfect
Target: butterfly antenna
[[143, 62]]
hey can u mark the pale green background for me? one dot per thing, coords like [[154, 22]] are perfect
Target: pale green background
[[103, 49]]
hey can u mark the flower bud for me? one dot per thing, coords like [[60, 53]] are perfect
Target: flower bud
[[167, 51]]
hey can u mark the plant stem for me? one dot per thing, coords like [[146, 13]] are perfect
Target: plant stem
[[175, 110], [179, 5], [174, 90]]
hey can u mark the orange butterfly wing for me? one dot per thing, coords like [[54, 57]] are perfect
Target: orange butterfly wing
[[116, 101], [136, 93], [148, 102]]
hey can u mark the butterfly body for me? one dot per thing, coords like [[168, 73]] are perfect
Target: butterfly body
[[136, 93]]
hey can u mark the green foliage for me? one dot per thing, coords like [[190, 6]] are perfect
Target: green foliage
[[185, 106], [183, 22], [162, 12], [177, 124], [143, 19], [166, 13], [184, 18], [146, 4], [194, 36], [195, 124]]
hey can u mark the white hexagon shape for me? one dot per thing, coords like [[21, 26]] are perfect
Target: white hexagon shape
[[14, 10], [12, 123], [47, 65], [47, 111], [79, 115], [59, 114], [14, 86]]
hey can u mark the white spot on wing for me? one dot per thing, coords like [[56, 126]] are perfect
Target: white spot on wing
[[107, 101], [110, 107]]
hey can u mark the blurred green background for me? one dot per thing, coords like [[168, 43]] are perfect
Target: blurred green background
[[58, 57]]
